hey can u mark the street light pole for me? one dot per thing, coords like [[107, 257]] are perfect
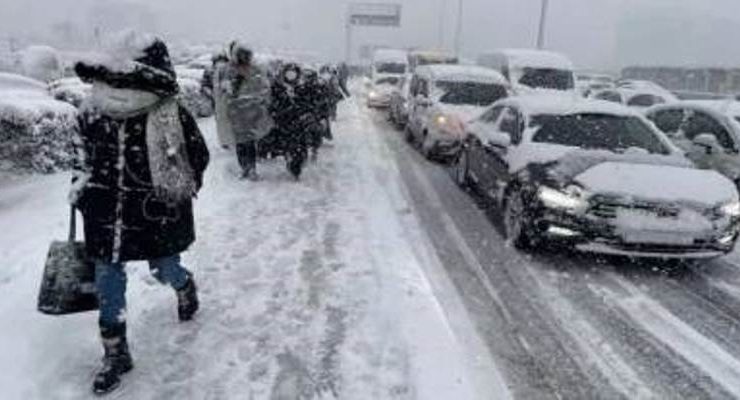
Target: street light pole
[[543, 25], [458, 31]]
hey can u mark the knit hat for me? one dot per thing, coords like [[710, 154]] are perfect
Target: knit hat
[[147, 67]]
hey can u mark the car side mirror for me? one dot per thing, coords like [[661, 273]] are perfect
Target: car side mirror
[[707, 142], [498, 140]]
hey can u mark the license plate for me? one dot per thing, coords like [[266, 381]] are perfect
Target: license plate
[[668, 238]]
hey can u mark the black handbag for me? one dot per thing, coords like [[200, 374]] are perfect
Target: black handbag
[[68, 284]]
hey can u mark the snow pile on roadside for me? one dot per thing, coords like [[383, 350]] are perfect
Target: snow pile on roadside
[[310, 290]]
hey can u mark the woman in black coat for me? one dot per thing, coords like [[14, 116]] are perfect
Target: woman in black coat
[[295, 117], [141, 161]]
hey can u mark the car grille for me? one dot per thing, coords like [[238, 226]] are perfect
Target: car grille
[[607, 207]]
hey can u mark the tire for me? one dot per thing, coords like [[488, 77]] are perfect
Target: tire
[[426, 151], [462, 177], [516, 224], [409, 135]]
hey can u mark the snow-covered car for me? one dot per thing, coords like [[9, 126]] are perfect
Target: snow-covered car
[[588, 83], [35, 129], [70, 90], [398, 110], [442, 99], [420, 58], [529, 69], [191, 92], [638, 98], [380, 91], [708, 131], [598, 177], [642, 85]]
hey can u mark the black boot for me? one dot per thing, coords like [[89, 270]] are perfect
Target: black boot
[[116, 361], [187, 301]]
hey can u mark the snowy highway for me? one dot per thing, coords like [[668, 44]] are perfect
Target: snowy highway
[[575, 326], [375, 277]]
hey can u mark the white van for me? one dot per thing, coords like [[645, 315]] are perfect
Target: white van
[[533, 69], [389, 62]]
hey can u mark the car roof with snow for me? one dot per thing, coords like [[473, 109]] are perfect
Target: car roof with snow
[[537, 59], [565, 104], [462, 73]]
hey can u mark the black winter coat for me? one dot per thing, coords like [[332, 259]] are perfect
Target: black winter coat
[[295, 114], [124, 220]]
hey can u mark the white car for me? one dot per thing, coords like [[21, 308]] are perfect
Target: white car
[[598, 177], [588, 83], [707, 130], [381, 90], [35, 129], [529, 69], [638, 98], [443, 98]]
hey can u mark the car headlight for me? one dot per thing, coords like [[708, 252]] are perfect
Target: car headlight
[[450, 124], [731, 209], [373, 94], [556, 199]]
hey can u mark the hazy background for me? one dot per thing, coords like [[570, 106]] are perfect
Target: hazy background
[[601, 34]]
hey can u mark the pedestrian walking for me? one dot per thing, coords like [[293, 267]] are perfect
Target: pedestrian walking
[[141, 160], [244, 112]]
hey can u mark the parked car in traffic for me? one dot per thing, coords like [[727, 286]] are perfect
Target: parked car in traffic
[[442, 99], [420, 58], [590, 82], [35, 129], [638, 98], [381, 90], [708, 131], [529, 69], [398, 111], [597, 177], [389, 62]]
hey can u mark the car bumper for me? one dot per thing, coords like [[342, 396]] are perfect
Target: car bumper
[[446, 148], [597, 236]]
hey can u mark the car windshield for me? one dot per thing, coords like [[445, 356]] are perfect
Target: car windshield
[[546, 78], [390, 68], [388, 80], [470, 93], [597, 132]]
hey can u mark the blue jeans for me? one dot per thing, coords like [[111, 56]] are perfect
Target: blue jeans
[[110, 281]]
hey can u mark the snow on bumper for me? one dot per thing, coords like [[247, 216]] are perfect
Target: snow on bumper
[[687, 235]]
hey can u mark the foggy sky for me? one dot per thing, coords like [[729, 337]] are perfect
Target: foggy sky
[[602, 34]]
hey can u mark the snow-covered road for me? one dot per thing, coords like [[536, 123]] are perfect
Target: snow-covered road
[[327, 288], [573, 326], [373, 278]]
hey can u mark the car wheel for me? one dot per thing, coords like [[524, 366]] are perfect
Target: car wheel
[[409, 135], [461, 169], [515, 220], [426, 147]]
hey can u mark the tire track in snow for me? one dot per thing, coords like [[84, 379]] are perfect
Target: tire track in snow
[[679, 336]]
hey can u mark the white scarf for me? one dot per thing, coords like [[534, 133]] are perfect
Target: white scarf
[[172, 175]]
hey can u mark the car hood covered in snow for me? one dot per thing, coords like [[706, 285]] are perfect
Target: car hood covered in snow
[[658, 182]]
